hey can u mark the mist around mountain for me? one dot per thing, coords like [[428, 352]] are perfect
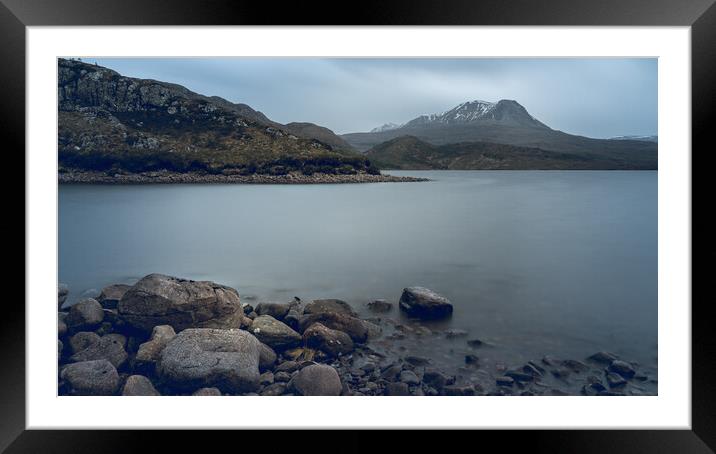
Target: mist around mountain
[[507, 122], [109, 122]]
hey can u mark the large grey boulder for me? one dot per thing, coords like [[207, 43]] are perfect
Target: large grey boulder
[[108, 347], [110, 295], [424, 303], [353, 326], [316, 380], [149, 352], [227, 359], [158, 299], [91, 378], [329, 305], [274, 333], [330, 341], [139, 385], [85, 315], [275, 310]]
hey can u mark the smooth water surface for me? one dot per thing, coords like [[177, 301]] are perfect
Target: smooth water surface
[[536, 262]]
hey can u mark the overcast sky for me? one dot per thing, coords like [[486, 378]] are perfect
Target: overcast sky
[[597, 97]]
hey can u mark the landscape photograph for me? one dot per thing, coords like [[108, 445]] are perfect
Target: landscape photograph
[[309, 226]]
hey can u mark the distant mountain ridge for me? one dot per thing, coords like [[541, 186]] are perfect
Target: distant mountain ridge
[[411, 153], [508, 122]]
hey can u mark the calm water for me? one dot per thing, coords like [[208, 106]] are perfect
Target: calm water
[[560, 263]]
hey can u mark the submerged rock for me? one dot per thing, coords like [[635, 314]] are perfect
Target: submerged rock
[[622, 368], [380, 306], [424, 303], [205, 357], [158, 299], [603, 357]]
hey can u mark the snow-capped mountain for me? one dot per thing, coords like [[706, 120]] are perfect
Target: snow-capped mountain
[[506, 112], [386, 127]]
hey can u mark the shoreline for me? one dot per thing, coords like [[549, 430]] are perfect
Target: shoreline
[[165, 177], [116, 344]]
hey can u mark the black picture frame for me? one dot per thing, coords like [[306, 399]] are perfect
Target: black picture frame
[[700, 15]]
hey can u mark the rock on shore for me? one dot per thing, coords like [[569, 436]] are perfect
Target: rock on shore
[[227, 359], [158, 299], [424, 303]]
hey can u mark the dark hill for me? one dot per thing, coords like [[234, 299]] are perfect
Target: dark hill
[[109, 122], [411, 153]]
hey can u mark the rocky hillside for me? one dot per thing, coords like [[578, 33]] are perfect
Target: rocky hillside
[[411, 153], [108, 122], [507, 122]]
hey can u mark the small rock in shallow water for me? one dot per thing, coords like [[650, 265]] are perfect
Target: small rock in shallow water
[[574, 365], [472, 359], [603, 357], [424, 303], [397, 389], [593, 389], [531, 369], [286, 366], [475, 343], [282, 376], [504, 381], [139, 385], [380, 306], [409, 377], [417, 360], [615, 380], [329, 305], [436, 379], [459, 390], [622, 368], [519, 376], [453, 333]]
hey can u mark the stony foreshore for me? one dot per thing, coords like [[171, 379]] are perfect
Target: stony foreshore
[[166, 177], [171, 336]]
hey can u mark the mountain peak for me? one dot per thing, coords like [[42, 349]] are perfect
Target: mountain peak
[[385, 127], [505, 111]]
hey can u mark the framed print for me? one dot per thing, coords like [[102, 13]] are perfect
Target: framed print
[[477, 216]]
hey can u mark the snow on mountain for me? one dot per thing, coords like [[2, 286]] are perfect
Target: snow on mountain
[[385, 127]]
